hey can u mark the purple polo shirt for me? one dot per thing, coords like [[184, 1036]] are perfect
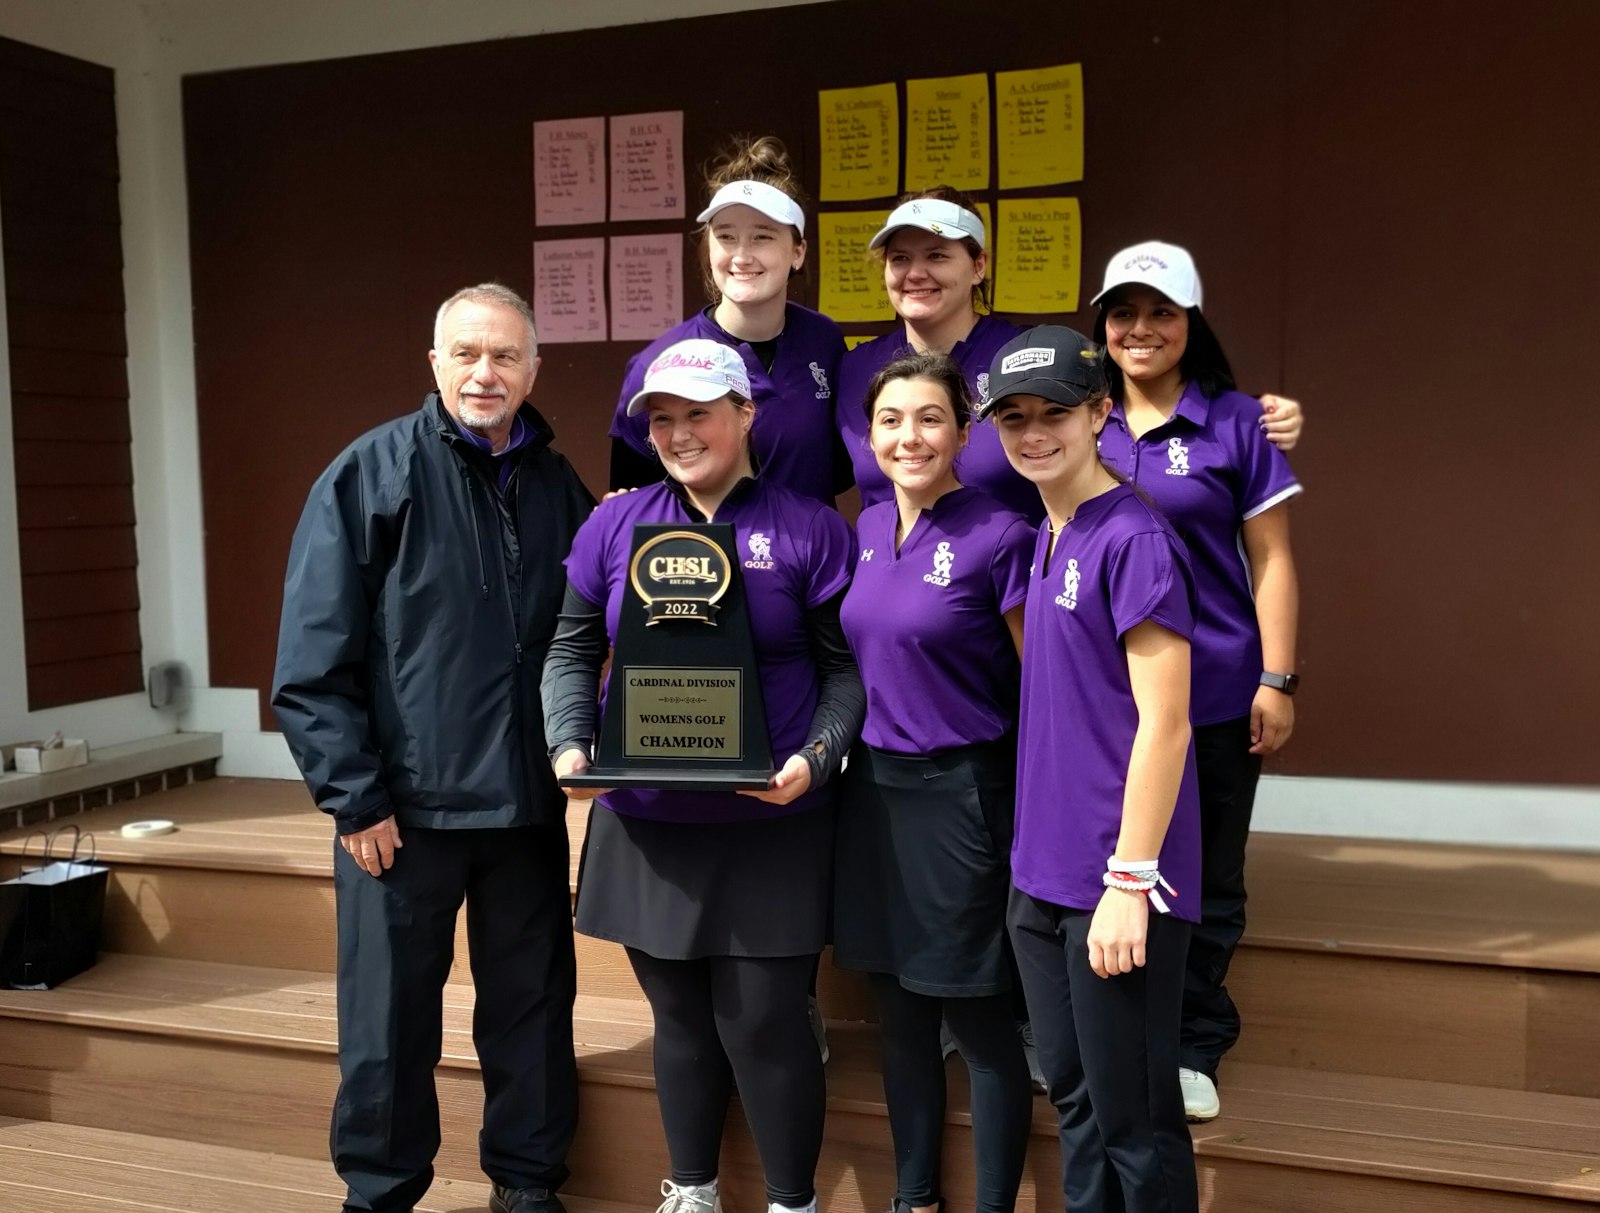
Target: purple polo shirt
[[1209, 467], [1117, 564], [799, 554], [793, 433], [983, 465], [925, 623]]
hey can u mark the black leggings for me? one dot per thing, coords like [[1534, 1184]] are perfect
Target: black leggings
[[723, 1020], [913, 1086]]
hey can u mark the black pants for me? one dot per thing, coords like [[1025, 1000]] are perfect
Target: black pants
[[1109, 1049], [1228, 774], [396, 940], [726, 1020], [913, 1087]]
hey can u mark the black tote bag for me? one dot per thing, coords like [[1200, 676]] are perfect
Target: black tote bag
[[50, 917]]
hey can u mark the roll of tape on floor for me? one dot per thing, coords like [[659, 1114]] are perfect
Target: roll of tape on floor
[[147, 829]]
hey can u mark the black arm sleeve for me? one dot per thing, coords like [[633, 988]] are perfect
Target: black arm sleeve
[[571, 681], [631, 470], [841, 701]]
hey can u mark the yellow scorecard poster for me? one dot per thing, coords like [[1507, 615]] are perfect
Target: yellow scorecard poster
[[860, 142], [851, 287], [947, 132], [1038, 257], [1041, 126]]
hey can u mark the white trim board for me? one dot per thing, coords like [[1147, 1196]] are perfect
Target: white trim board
[[1476, 814]]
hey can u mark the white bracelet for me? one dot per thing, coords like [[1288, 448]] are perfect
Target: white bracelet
[[1141, 877]]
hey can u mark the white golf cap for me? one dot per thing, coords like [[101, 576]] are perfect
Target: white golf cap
[[696, 369], [769, 200], [935, 215], [1163, 267]]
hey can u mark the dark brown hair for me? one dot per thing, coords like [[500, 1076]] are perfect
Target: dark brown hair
[[935, 368], [982, 292]]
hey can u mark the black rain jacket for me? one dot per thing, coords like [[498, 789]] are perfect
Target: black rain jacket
[[417, 608]]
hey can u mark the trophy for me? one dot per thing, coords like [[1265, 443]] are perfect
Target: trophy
[[683, 707]]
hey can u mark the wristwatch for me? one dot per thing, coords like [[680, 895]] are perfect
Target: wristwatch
[[1287, 683]]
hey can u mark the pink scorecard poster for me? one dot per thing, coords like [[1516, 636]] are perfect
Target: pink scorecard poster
[[569, 171], [568, 304], [646, 285], [647, 166]]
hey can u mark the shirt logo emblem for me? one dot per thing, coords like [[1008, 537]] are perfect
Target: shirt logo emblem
[[866, 555], [1177, 457], [983, 387], [943, 558], [1069, 586], [760, 551], [821, 376]]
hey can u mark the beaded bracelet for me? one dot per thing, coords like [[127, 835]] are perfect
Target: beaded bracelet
[[1142, 877]]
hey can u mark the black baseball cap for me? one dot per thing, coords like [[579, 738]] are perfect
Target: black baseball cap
[[1051, 361]]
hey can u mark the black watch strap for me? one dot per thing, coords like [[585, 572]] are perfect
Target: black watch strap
[[1287, 683]]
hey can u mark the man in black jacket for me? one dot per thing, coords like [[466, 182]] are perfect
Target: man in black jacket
[[422, 589]]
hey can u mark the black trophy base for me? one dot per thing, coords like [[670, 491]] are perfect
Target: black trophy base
[[669, 779]]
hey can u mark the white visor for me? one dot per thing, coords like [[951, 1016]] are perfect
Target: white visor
[[758, 195], [944, 219]]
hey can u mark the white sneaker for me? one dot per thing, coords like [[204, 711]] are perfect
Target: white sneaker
[[1200, 1102], [1031, 1052], [819, 1031], [775, 1207], [686, 1199]]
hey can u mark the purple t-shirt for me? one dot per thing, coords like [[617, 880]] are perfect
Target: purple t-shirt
[[793, 433], [1209, 468], [926, 627], [982, 465], [800, 554], [1116, 564]]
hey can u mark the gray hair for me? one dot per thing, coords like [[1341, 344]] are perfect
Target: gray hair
[[488, 292]]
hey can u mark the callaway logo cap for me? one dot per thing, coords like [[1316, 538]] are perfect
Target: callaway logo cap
[[697, 369], [934, 215], [1164, 267], [1050, 361]]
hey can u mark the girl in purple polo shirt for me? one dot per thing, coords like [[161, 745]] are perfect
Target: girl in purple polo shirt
[[1180, 431], [1105, 858], [754, 241], [721, 899], [938, 272], [934, 618]]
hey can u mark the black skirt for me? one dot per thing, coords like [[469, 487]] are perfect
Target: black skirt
[[923, 868], [682, 891]]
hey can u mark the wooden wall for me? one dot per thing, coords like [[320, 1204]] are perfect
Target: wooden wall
[[1390, 204], [69, 377]]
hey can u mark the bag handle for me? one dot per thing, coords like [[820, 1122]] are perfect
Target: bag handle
[[77, 841], [44, 850]]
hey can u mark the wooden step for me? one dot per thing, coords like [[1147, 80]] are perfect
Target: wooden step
[[48, 1167], [1379, 958], [243, 1057]]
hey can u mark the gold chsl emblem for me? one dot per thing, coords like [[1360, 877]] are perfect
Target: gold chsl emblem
[[680, 575]]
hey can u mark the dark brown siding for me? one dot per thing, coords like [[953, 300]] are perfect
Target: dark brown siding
[[69, 378], [1387, 203]]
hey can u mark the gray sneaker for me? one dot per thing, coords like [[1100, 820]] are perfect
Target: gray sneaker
[[818, 1029], [688, 1200], [1031, 1052]]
